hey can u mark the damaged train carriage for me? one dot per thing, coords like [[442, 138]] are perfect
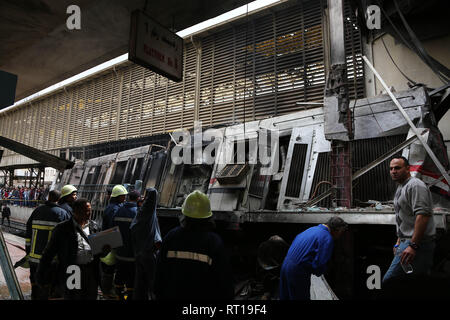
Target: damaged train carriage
[[253, 200]]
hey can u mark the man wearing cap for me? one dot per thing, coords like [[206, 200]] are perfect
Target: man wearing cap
[[124, 254], [192, 263], [118, 197], [308, 254], [68, 197]]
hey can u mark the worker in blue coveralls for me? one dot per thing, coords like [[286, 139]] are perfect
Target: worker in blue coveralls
[[308, 254]]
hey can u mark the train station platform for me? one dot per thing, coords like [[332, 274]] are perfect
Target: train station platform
[[16, 249]]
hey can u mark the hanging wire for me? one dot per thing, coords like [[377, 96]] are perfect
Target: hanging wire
[[389, 54]]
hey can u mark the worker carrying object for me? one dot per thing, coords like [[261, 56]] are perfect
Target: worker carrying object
[[68, 197], [39, 228], [308, 254], [192, 262], [70, 244]]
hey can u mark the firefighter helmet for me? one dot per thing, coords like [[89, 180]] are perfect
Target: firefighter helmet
[[118, 190], [67, 189], [197, 206]]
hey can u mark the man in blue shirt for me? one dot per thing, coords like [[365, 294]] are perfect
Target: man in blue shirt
[[309, 254]]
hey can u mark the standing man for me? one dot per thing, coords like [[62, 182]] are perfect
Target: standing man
[[68, 197], [6, 213], [414, 220], [192, 263], [40, 225], [124, 255], [146, 241], [308, 254], [118, 196], [70, 244]]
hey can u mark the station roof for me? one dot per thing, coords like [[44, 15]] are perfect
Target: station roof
[[41, 50]]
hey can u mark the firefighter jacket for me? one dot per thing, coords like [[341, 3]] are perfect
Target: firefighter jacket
[[64, 245], [109, 213], [39, 228], [123, 218], [193, 264], [66, 207]]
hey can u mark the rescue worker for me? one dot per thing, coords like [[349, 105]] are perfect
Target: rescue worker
[[192, 263], [118, 197], [125, 266], [308, 254], [70, 244], [68, 196], [146, 241], [271, 254], [39, 228]]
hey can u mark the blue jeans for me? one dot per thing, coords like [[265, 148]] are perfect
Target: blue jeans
[[422, 263]]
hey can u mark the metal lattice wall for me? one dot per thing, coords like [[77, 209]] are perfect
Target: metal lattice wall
[[255, 68]]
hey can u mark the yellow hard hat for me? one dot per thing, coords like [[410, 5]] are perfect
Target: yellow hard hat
[[67, 189], [118, 190], [197, 206]]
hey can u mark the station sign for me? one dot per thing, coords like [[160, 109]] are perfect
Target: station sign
[[155, 47]]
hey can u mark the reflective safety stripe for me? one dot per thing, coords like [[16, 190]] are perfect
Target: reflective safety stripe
[[36, 258], [189, 255], [40, 227], [45, 223], [125, 258], [35, 227], [123, 219]]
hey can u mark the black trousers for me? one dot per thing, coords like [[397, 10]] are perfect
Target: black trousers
[[89, 284], [53, 291], [125, 275], [144, 278]]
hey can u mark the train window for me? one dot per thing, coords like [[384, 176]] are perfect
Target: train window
[[129, 171], [93, 174], [119, 172], [137, 170]]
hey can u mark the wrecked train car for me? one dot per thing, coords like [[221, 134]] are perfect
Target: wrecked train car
[[252, 200]]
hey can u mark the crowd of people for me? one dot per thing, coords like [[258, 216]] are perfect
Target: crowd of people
[[24, 196], [190, 261]]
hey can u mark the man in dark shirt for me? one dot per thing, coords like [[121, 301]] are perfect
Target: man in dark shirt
[[6, 213]]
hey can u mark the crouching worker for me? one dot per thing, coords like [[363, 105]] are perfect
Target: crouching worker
[[78, 267], [308, 254]]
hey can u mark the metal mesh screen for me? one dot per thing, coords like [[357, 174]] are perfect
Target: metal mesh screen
[[255, 68]]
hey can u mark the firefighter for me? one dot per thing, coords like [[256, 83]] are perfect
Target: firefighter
[[68, 197], [146, 241], [39, 228], [125, 266], [192, 262], [118, 196]]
